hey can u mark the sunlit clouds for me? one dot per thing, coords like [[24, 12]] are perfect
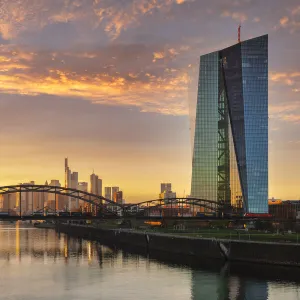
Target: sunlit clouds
[[99, 77], [108, 83]]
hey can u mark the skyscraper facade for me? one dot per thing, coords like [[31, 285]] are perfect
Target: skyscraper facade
[[96, 185], [108, 192], [230, 155], [165, 187], [114, 191]]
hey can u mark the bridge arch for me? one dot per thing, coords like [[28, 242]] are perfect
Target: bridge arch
[[175, 203], [100, 202]]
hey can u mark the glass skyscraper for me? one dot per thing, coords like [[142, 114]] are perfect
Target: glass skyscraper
[[230, 155]]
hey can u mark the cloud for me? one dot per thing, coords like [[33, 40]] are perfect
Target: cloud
[[291, 22], [113, 16], [294, 118], [285, 78], [237, 16], [295, 10], [111, 75], [288, 112], [284, 21]]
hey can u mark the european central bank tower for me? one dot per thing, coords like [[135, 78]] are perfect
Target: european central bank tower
[[230, 155]]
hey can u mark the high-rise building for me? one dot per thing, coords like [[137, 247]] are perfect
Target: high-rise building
[[99, 187], [25, 199], [114, 190], [83, 186], [167, 195], [230, 155], [118, 197], [67, 174], [107, 191], [53, 199], [96, 185], [71, 181], [165, 187], [8, 201]]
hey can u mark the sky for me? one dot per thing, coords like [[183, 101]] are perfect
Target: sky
[[106, 84]]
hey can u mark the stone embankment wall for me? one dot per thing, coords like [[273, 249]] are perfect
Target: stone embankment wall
[[246, 251]]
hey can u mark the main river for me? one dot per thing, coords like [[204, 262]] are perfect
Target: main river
[[41, 264]]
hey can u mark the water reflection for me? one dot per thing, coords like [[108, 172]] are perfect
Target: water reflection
[[217, 286], [49, 265]]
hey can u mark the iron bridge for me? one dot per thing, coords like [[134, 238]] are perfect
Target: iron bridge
[[105, 208]]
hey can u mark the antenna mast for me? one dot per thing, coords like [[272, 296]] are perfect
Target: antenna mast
[[239, 33]]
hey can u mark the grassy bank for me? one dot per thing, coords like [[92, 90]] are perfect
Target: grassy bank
[[234, 235]]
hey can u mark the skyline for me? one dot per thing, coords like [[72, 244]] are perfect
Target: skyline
[[106, 84]]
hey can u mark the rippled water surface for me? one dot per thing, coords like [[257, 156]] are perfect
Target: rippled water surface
[[41, 264]]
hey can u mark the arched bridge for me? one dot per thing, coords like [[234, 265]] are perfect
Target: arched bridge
[[174, 207], [96, 205]]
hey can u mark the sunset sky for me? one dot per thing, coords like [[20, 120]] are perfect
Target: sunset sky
[[105, 83]]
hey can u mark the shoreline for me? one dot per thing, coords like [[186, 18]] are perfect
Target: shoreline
[[270, 253]]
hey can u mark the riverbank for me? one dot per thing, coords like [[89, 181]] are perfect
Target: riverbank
[[44, 225], [189, 246]]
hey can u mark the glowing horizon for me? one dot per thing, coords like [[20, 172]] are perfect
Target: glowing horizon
[[106, 83]]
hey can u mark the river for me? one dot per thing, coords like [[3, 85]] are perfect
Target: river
[[42, 264]]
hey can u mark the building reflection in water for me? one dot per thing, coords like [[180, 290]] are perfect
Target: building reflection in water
[[18, 253], [206, 285], [21, 243]]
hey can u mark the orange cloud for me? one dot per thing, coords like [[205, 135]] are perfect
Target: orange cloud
[[291, 118], [114, 16], [284, 77], [290, 22], [237, 16], [118, 17], [32, 74], [283, 21]]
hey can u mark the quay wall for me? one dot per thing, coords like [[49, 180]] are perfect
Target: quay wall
[[242, 251]]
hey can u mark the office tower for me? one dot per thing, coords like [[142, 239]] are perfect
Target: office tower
[[53, 199], [114, 190], [71, 181], [107, 191], [38, 203], [230, 155], [68, 181], [99, 187], [96, 185], [167, 195], [67, 174], [165, 187], [83, 186], [25, 200], [118, 197]]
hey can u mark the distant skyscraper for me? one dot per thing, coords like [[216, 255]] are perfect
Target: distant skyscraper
[[167, 195], [25, 200], [52, 199], [118, 197], [8, 201], [96, 185], [114, 190], [165, 187], [108, 192], [71, 181], [83, 186], [230, 155], [67, 174], [99, 187]]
